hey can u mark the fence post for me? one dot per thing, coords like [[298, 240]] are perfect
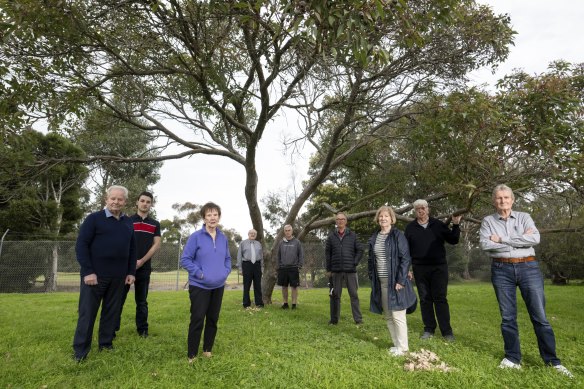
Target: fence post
[[2, 241], [178, 263]]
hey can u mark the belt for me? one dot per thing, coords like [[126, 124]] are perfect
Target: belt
[[514, 260]]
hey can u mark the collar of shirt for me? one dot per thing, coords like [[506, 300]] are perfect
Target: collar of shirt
[[109, 214], [512, 215]]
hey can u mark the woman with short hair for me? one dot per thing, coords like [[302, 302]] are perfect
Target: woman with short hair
[[206, 258], [389, 262]]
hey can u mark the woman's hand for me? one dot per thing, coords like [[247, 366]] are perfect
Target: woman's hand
[[398, 286]]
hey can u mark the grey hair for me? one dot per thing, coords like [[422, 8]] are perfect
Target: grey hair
[[252, 230], [503, 188], [289, 225], [420, 203], [109, 190]]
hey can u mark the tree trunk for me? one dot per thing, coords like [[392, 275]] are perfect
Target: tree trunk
[[52, 285], [268, 278]]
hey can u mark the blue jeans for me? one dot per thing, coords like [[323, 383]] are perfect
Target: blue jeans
[[506, 277]]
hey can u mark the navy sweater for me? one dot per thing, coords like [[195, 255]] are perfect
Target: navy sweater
[[106, 246]]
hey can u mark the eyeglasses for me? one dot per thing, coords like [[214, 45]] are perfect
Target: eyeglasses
[[341, 219]]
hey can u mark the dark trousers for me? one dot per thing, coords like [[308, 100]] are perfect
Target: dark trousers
[[205, 308], [432, 283], [107, 293], [335, 298], [141, 285], [252, 273]]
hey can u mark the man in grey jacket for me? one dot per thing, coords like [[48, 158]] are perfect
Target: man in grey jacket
[[290, 261], [343, 253]]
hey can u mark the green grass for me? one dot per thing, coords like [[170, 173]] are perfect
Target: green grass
[[273, 348]]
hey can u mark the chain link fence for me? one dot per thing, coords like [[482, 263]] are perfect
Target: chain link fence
[[49, 266], [43, 266]]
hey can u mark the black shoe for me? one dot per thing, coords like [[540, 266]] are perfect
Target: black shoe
[[79, 358], [143, 334], [285, 306], [293, 306], [260, 306], [427, 335], [358, 322], [333, 323], [107, 348], [449, 338]]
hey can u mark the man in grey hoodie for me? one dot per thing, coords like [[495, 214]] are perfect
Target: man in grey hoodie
[[290, 261]]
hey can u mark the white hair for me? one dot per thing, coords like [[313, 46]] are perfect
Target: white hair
[[420, 203], [503, 188], [109, 190]]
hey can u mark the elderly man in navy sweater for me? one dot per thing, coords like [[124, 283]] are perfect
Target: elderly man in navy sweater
[[107, 254]]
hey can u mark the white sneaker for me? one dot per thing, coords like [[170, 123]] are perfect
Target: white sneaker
[[507, 364], [562, 369], [394, 351]]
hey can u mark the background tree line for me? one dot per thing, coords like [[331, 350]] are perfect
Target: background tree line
[[378, 86]]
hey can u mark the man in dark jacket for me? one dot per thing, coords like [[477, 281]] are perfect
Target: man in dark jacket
[[106, 252], [343, 253], [426, 236]]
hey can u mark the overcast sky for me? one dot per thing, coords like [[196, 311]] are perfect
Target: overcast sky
[[546, 31]]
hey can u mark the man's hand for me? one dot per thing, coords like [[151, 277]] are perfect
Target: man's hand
[[496, 238], [90, 279], [130, 279], [529, 231], [410, 275], [139, 264], [398, 286]]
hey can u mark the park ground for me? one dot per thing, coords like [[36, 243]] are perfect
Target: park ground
[[275, 348]]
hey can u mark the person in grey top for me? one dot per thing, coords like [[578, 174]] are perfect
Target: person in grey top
[[249, 263], [508, 237], [290, 261]]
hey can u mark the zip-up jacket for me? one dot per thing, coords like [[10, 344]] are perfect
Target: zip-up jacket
[[343, 253], [208, 262]]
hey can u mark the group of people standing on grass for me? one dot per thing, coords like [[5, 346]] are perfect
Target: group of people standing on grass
[[391, 253], [107, 252]]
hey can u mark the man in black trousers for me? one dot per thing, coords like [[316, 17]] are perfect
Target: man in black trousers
[[426, 236], [106, 251], [148, 241], [343, 253]]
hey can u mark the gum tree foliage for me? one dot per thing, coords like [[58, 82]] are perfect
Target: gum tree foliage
[[37, 202], [101, 132], [36, 198], [211, 77], [529, 134], [182, 225]]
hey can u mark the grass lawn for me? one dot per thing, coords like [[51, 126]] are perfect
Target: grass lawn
[[273, 348]]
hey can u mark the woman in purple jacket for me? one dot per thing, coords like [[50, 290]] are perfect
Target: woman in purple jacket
[[206, 258]]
